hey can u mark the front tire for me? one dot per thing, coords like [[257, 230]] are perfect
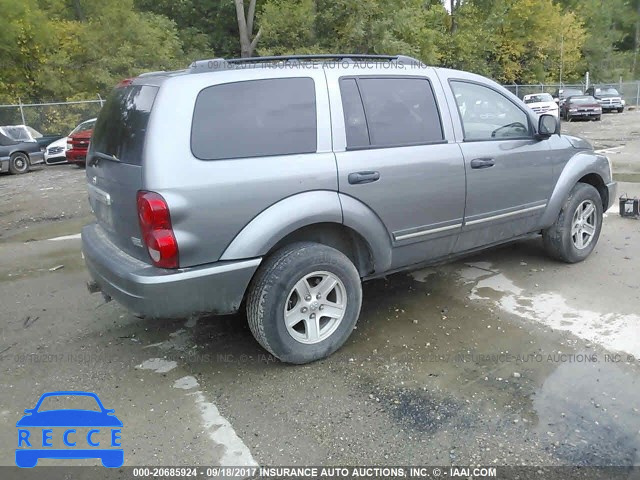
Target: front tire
[[576, 231], [304, 302], [19, 163]]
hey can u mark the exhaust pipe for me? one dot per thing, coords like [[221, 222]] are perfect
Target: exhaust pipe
[[93, 287]]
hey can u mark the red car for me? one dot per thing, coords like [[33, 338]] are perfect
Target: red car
[[78, 144]]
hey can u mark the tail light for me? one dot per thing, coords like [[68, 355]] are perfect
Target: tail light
[[157, 232]]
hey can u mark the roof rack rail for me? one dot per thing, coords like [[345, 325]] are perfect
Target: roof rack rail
[[215, 64]]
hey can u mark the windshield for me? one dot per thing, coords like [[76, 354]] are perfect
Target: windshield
[[585, 99], [569, 93], [16, 132], [542, 97], [69, 402], [84, 126], [122, 125], [607, 91]]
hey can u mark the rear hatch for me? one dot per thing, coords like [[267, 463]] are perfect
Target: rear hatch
[[114, 165]]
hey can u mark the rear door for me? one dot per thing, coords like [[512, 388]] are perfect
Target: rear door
[[114, 164], [396, 154]]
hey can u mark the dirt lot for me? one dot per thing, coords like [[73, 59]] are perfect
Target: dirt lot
[[506, 358]]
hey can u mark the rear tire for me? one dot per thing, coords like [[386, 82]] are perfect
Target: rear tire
[[575, 232], [19, 163], [320, 319]]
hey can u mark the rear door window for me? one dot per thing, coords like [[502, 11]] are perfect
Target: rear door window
[[122, 125], [255, 118], [398, 111]]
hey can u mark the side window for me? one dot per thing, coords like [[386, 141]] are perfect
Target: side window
[[397, 112], [354, 121], [488, 115], [255, 118]]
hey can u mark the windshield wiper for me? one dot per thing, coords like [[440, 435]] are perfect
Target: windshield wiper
[[104, 156]]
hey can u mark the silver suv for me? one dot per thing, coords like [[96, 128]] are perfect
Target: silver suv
[[280, 183]]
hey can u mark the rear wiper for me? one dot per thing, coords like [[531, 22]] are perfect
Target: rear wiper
[[104, 156]]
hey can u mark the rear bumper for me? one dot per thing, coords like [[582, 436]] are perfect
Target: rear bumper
[[216, 288]]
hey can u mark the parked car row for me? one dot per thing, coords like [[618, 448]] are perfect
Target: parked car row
[[61, 150], [22, 146], [573, 103]]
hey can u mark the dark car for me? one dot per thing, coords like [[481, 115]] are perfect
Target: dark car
[[16, 156], [608, 97], [561, 95], [581, 106], [25, 133]]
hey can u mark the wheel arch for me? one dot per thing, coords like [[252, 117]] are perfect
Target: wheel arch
[[325, 217], [584, 167]]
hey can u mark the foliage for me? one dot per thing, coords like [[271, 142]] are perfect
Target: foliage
[[72, 49]]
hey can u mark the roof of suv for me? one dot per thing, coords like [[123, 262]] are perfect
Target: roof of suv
[[290, 61]]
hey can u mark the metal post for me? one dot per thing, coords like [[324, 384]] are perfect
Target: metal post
[[561, 58], [101, 101], [21, 111], [638, 95]]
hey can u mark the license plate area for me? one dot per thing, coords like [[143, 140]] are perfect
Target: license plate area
[[101, 204]]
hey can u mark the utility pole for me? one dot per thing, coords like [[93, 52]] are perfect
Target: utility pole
[[561, 58]]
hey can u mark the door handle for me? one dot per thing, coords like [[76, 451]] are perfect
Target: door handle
[[482, 163], [363, 177]]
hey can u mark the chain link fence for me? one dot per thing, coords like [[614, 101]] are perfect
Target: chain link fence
[[62, 117], [630, 91], [50, 118]]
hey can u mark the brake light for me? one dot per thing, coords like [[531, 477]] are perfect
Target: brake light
[[125, 83], [157, 232]]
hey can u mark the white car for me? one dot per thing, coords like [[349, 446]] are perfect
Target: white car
[[56, 151], [542, 103]]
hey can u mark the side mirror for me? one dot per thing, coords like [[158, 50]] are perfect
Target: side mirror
[[557, 100], [548, 125]]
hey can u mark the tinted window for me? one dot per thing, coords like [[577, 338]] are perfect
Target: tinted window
[[122, 124], [487, 114], [354, 119], [400, 111], [6, 141], [255, 118]]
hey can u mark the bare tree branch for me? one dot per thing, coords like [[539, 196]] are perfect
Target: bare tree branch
[[245, 44], [255, 40], [251, 16]]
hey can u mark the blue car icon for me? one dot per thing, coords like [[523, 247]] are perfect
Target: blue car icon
[[35, 443]]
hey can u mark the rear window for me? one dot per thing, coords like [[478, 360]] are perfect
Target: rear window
[[122, 124], [255, 118]]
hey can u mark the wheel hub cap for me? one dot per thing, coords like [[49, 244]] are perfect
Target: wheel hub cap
[[584, 225], [315, 307]]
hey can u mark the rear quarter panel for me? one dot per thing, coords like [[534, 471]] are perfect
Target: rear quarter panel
[[211, 201]]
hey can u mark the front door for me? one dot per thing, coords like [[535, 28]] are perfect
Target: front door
[[509, 171]]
